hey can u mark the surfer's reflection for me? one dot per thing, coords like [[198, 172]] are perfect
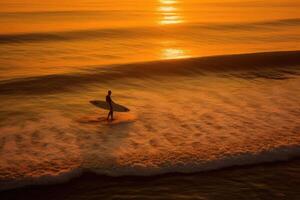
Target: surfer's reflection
[[109, 101]]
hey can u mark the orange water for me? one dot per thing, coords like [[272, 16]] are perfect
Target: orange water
[[189, 115], [58, 37]]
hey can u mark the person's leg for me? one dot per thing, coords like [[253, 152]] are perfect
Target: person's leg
[[112, 115], [108, 116]]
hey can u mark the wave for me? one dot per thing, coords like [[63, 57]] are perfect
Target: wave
[[65, 36], [248, 66], [284, 153], [60, 13], [140, 32], [256, 25]]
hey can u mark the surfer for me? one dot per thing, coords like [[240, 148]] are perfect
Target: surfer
[[109, 101]]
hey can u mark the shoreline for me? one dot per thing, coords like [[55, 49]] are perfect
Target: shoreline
[[91, 185]]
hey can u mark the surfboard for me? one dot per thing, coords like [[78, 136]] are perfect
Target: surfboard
[[104, 105]]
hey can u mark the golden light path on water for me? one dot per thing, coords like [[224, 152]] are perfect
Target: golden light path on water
[[170, 15], [169, 12], [173, 53]]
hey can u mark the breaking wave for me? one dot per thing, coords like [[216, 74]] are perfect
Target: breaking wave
[[284, 153]]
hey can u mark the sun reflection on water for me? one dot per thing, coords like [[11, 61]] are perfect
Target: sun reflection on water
[[173, 53], [168, 1], [169, 12], [173, 50]]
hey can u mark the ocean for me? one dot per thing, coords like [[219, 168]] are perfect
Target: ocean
[[213, 89]]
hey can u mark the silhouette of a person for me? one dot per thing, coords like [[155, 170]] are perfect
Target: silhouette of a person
[[109, 101]]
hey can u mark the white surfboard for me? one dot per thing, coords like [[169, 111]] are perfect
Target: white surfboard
[[104, 105]]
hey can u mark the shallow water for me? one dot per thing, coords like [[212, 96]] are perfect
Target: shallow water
[[181, 121]]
